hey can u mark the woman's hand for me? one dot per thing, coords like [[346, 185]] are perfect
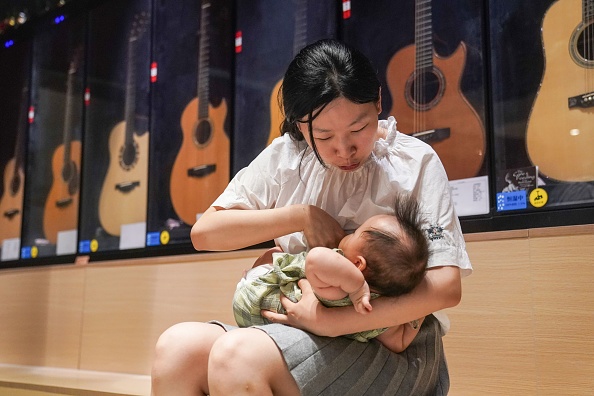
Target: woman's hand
[[304, 314], [321, 229]]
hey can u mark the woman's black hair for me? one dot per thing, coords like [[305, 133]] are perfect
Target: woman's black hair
[[321, 72]]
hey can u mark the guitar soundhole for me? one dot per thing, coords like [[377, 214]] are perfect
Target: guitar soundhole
[[203, 133], [582, 49], [128, 155], [424, 89]]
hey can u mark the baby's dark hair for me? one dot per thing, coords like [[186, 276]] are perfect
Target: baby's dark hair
[[396, 261], [321, 72]]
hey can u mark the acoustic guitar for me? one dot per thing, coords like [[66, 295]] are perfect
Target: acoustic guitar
[[299, 41], [61, 205], [429, 104], [200, 172], [11, 202], [123, 196], [560, 131]]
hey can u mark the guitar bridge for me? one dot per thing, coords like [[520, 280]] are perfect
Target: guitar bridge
[[62, 203], [126, 187], [11, 213], [584, 101], [202, 170], [433, 135]]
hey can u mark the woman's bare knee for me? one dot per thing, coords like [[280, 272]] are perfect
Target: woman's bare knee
[[181, 359], [248, 362]]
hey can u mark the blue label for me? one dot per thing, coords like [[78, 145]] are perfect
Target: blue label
[[153, 239], [512, 200], [84, 246], [26, 252]]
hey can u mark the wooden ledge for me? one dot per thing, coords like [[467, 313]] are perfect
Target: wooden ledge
[[61, 381]]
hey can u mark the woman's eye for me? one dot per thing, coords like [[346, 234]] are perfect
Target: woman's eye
[[323, 139]]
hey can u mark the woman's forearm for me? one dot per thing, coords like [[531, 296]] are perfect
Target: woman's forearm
[[235, 229], [441, 288]]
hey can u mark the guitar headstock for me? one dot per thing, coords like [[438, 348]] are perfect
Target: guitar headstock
[[139, 25]]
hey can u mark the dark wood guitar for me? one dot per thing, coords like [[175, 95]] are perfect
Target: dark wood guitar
[[428, 102], [200, 172], [560, 131], [123, 196], [61, 205], [11, 202], [299, 41]]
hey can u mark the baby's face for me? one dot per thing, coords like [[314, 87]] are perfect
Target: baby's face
[[353, 244]]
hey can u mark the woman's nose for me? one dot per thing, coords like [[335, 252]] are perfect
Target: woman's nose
[[345, 149]]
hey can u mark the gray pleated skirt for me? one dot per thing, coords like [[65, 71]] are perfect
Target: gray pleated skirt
[[340, 366]]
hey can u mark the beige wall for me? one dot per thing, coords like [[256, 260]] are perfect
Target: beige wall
[[525, 325]]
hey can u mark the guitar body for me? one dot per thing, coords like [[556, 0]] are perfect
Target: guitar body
[[11, 203], [123, 196], [276, 116], [61, 206], [191, 195], [558, 153], [462, 153]]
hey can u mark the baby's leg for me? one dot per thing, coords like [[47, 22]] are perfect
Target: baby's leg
[[181, 359], [248, 362]]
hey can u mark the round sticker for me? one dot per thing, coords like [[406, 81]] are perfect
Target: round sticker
[[34, 251], [164, 237], [538, 197], [94, 245]]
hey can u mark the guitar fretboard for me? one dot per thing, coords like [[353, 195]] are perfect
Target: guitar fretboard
[[588, 11], [204, 62], [423, 36]]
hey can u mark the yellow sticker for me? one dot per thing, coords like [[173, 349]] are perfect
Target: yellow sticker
[[538, 197], [164, 237], [34, 251], [94, 245]]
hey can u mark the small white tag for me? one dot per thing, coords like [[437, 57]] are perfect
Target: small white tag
[[133, 235]]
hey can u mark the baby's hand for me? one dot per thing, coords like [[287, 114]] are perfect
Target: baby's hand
[[360, 299]]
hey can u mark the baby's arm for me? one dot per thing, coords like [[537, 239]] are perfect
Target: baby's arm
[[398, 338], [332, 276]]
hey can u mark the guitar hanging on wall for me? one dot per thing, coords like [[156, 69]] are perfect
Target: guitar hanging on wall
[[299, 41], [123, 196], [560, 132], [428, 102], [61, 205], [11, 202], [200, 172]]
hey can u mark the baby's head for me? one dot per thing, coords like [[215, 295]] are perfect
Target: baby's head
[[393, 247]]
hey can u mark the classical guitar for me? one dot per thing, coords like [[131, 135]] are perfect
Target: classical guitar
[[61, 205], [11, 202], [428, 102], [299, 41], [123, 196], [200, 172], [560, 131]]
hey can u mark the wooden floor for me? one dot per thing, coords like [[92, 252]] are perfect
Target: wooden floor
[[37, 381]]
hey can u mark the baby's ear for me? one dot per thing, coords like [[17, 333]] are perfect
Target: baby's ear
[[361, 263]]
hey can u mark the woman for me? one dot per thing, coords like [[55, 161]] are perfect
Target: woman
[[335, 166]]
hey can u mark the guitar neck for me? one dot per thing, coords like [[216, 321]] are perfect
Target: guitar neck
[[19, 149], [300, 33], [423, 36], [204, 61], [67, 133], [587, 10], [130, 91]]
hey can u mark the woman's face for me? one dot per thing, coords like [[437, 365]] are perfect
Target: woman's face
[[344, 133]]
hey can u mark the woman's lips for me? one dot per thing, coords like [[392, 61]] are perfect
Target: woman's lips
[[349, 167]]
